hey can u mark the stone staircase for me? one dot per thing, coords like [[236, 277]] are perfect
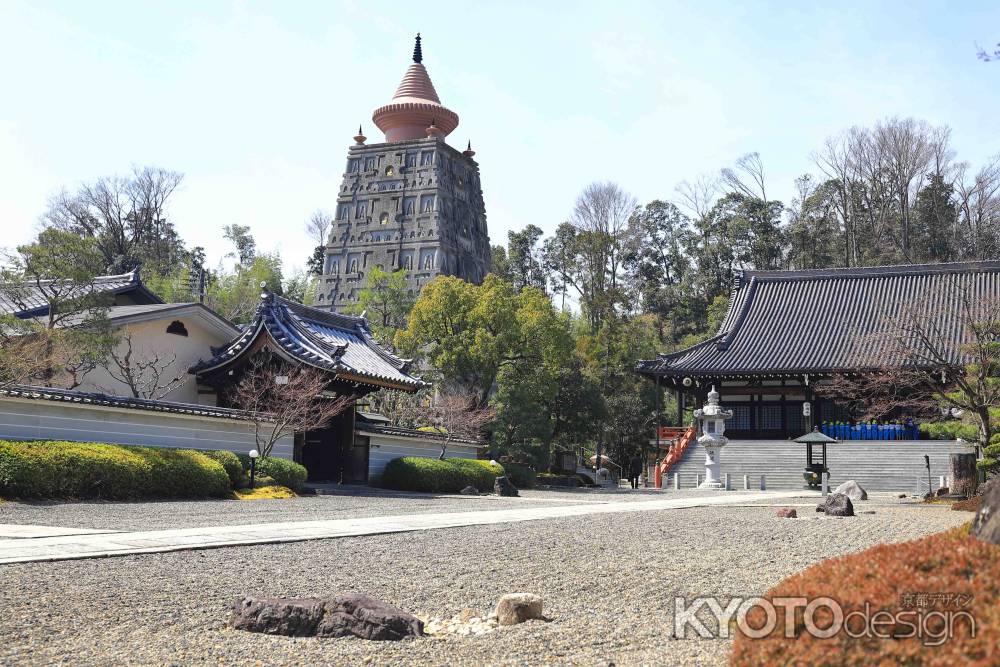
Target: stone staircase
[[877, 465]]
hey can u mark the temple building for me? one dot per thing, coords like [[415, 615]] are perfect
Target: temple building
[[411, 202], [787, 332]]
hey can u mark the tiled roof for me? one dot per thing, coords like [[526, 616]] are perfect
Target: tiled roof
[[104, 400], [26, 300], [341, 344], [398, 431], [826, 320]]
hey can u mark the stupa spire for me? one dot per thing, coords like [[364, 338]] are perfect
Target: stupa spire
[[415, 106], [418, 55]]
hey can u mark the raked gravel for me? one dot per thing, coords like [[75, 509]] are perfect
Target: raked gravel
[[608, 582]]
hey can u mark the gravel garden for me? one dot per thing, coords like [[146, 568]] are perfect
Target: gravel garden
[[608, 581]]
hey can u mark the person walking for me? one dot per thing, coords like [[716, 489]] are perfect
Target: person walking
[[634, 470]]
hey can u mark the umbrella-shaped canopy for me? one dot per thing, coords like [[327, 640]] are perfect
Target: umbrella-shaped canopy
[[604, 459]]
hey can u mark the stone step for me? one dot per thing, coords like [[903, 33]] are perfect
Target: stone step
[[878, 465]]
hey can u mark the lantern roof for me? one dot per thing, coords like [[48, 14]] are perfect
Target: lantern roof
[[815, 437]]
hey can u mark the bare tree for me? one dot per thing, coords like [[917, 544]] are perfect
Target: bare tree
[[987, 56], [149, 374], [281, 400], [747, 178], [318, 226], [126, 215], [907, 146], [457, 417], [698, 196], [601, 216], [979, 209]]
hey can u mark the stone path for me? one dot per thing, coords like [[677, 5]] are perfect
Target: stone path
[[90, 545]]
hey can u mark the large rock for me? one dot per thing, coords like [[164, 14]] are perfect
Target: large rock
[[504, 487], [852, 490], [515, 608], [837, 504], [786, 513], [986, 525], [330, 616], [469, 491]]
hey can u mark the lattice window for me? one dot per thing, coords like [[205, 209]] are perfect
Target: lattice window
[[741, 418], [770, 417]]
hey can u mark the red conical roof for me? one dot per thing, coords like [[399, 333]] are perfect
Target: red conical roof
[[415, 106]]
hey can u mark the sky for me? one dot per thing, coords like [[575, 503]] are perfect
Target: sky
[[256, 102]]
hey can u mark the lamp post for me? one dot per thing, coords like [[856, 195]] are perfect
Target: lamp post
[[253, 465]]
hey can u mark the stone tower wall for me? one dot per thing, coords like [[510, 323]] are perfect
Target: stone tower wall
[[415, 205]]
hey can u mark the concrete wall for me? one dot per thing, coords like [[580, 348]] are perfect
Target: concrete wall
[[29, 419], [384, 448], [151, 340]]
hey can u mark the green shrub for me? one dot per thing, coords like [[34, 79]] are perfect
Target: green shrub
[[54, 469], [548, 479], [232, 464], [183, 473], [282, 471], [519, 475], [478, 473], [416, 473]]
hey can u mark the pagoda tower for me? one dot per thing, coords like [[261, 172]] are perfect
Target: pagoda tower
[[412, 202]]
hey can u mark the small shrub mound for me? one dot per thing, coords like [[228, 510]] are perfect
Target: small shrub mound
[[415, 473], [282, 471], [53, 469], [549, 479], [264, 493], [933, 579], [233, 466], [520, 475], [480, 474], [968, 505]]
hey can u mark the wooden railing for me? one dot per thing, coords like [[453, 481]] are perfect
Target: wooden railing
[[681, 438]]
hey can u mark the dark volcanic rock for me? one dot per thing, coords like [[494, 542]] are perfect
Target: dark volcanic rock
[[345, 615], [469, 491], [986, 525], [504, 487], [837, 504]]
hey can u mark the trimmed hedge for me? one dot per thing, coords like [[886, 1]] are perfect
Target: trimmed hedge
[[951, 563], [282, 471], [479, 473], [416, 473], [232, 465], [56, 469]]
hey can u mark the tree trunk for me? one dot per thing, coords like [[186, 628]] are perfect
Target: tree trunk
[[963, 474]]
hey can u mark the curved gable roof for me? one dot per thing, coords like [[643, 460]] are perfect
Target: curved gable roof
[[825, 320]]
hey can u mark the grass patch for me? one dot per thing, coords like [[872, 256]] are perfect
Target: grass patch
[[264, 493]]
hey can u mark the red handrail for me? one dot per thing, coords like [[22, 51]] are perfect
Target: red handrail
[[684, 438]]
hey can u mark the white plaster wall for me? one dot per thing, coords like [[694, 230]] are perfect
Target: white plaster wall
[[151, 339], [29, 419], [384, 448]]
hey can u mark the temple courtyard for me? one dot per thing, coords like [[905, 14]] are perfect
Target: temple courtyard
[[607, 564]]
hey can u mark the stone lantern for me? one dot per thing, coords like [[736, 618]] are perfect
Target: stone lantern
[[712, 426]]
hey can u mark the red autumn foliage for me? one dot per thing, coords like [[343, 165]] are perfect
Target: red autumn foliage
[[951, 563]]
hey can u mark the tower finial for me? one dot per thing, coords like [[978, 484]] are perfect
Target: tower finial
[[418, 55]]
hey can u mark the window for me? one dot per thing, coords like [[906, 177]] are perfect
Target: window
[[354, 266], [770, 417], [353, 166], [384, 219], [741, 418], [426, 158], [389, 171], [359, 211], [428, 261], [177, 328], [369, 163], [411, 160], [409, 205], [426, 203], [408, 262], [343, 211]]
